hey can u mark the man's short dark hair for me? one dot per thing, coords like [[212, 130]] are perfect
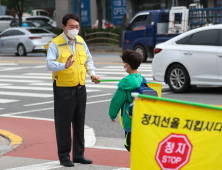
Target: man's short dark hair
[[134, 59], [69, 16]]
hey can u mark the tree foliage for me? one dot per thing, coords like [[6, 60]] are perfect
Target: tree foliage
[[18, 6]]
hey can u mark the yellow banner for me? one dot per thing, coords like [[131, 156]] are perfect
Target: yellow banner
[[170, 134]]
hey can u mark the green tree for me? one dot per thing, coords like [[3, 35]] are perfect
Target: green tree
[[18, 6], [8, 3]]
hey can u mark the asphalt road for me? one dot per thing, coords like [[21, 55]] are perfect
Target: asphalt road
[[26, 91]]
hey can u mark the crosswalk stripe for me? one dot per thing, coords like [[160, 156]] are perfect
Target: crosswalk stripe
[[36, 88], [101, 86], [33, 77], [19, 81], [26, 77], [142, 66], [34, 104], [7, 101], [121, 73], [3, 84], [42, 66], [13, 68], [2, 108], [25, 94]]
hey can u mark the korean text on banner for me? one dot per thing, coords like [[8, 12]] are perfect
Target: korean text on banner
[[171, 134]]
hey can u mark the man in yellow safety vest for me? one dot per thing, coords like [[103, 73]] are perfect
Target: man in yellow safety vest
[[69, 59]]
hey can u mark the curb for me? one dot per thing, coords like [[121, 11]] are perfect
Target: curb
[[14, 139]]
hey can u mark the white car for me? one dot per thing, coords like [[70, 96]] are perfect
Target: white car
[[24, 40], [190, 59], [5, 21]]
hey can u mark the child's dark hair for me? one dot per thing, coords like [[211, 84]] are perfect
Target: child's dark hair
[[134, 59]]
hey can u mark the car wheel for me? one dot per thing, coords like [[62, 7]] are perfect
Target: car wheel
[[178, 79], [21, 51], [140, 49]]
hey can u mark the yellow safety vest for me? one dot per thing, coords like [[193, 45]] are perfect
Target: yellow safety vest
[[75, 74]]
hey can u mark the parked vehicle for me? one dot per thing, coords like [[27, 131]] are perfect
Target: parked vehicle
[[24, 40], [145, 30], [40, 12], [190, 59], [5, 21], [39, 21], [148, 28], [24, 24]]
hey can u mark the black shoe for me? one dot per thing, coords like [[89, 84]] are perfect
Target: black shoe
[[82, 160], [67, 163]]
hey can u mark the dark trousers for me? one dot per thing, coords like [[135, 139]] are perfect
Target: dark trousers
[[127, 140], [69, 108]]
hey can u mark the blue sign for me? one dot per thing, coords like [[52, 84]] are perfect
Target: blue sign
[[118, 10], [85, 11]]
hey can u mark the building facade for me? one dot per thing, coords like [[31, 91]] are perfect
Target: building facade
[[131, 8]]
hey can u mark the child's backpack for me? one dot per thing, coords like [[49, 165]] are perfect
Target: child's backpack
[[143, 89]]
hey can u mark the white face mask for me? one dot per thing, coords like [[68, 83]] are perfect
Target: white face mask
[[72, 33], [124, 67]]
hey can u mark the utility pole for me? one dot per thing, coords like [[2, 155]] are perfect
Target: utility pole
[[80, 18]]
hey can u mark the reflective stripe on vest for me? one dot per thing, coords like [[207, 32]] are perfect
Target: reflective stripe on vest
[[75, 74]]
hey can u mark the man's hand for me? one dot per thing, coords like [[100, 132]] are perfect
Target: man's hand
[[69, 61], [95, 78], [113, 120]]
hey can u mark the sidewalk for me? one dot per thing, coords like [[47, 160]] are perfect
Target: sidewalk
[[39, 144]]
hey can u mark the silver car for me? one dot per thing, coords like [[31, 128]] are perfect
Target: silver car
[[24, 40]]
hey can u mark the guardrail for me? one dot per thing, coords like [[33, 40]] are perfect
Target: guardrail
[[104, 40]]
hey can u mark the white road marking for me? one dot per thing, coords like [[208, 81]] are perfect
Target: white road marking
[[13, 68], [44, 166], [87, 82], [42, 66], [34, 104], [36, 88], [7, 101], [100, 86], [32, 77], [25, 94], [38, 110], [38, 74], [26, 77], [2, 84], [120, 77], [100, 95], [117, 69], [121, 73], [19, 81], [109, 148], [29, 111], [122, 169], [2, 108], [99, 101], [141, 66], [8, 64]]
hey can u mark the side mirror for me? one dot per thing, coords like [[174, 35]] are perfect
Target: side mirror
[[127, 26]]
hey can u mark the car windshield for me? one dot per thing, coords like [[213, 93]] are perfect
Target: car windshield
[[37, 31]]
